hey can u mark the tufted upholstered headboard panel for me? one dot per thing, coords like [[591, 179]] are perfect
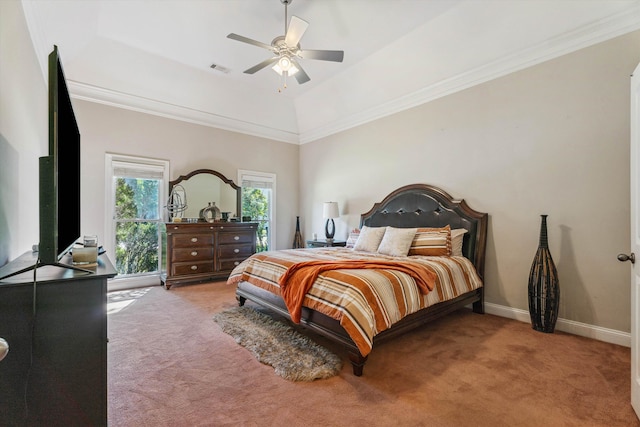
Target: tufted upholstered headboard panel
[[422, 205]]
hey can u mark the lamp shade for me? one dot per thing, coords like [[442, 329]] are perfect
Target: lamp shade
[[330, 210], [291, 70]]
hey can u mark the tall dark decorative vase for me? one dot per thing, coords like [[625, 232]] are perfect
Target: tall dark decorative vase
[[544, 292], [297, 239]]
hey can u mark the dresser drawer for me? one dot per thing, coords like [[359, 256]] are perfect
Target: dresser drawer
[[189, 240], [192, 254], [186, 268], [239, 237], [234, 251], [229, 264]]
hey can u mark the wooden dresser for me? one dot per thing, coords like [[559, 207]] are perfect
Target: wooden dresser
[[197, 252], [56, 370]]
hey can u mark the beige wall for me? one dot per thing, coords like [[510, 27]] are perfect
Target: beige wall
[[552, 139], [23, 133], [188, 147]]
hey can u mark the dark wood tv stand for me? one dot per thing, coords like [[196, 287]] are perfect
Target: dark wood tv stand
[[66, 382]]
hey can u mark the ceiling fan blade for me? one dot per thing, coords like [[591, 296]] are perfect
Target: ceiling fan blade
[[323, 55], [261, 65], [296, 30], [244, 39], [300, 76]]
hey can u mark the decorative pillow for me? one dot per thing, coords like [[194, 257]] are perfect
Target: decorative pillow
[[432, 242], [353, 236], [369, 239], [396, 241], [457, 235]]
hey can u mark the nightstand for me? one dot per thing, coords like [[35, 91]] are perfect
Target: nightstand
[[322, 243]]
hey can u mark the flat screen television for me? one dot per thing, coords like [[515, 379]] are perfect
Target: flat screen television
[[59, 172]]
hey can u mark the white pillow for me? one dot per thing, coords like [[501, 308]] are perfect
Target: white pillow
[[396, 241], [457, 235], [369, 239]]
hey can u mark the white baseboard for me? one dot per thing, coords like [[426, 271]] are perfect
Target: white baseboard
[[572, 327]]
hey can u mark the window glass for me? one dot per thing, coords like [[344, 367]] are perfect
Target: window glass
[[258, 204]]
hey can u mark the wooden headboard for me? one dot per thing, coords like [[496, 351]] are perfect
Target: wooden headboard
[[422, 205]]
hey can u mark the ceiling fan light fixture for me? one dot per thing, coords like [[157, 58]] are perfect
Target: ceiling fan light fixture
[[285, 63], [288, 67], [286, 49]]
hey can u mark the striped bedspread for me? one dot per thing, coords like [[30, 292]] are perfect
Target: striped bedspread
[[364, 301]]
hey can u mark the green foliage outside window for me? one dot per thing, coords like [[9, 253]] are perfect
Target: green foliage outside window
[[255, 204], [136, 239]]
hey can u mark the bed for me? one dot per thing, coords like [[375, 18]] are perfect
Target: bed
[[326, 307]]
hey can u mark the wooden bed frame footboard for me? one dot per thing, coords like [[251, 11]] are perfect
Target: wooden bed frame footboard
[[417, 205], [331, 329]]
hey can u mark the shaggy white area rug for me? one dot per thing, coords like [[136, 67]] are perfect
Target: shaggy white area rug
[[294, 356]]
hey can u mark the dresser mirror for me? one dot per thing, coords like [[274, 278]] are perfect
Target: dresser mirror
[[204, 186]]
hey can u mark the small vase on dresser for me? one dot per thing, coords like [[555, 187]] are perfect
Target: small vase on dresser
[[544, 290], [210, 213]]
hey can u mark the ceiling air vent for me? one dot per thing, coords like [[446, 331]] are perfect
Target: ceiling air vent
[[220, 68]]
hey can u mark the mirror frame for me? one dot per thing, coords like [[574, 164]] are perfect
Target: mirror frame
[[210, 172]]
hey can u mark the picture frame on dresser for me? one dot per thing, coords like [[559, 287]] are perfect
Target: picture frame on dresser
[[196, 249]]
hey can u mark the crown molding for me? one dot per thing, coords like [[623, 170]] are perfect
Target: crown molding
[[621, 23], [588, 35], [132, 102], [140, 104]]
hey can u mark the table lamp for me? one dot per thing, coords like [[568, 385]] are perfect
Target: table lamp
[[330, 211]]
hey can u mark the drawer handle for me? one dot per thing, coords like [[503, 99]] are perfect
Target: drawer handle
[[194, 267], [194, 239], [194, 253], [236, 237], [236, 263], [236, 251]]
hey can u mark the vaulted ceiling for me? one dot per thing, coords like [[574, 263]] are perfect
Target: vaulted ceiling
[[156, 56]]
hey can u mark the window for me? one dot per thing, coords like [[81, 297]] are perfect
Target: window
[[136, 193], [258, 203]]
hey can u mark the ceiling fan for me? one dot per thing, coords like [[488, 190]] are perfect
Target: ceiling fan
[[286, 50]]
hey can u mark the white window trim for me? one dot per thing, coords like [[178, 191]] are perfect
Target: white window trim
[[270, 178], [111, 162]]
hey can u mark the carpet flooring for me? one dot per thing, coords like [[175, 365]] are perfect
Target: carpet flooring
[[169, 364]]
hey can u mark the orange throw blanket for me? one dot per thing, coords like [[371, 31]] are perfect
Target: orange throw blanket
[[298, 279]]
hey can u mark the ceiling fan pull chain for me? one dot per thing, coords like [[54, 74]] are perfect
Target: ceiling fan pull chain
[[284, 81]]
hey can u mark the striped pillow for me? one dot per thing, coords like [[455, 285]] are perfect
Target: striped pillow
[[432, 242], [353, 237]]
